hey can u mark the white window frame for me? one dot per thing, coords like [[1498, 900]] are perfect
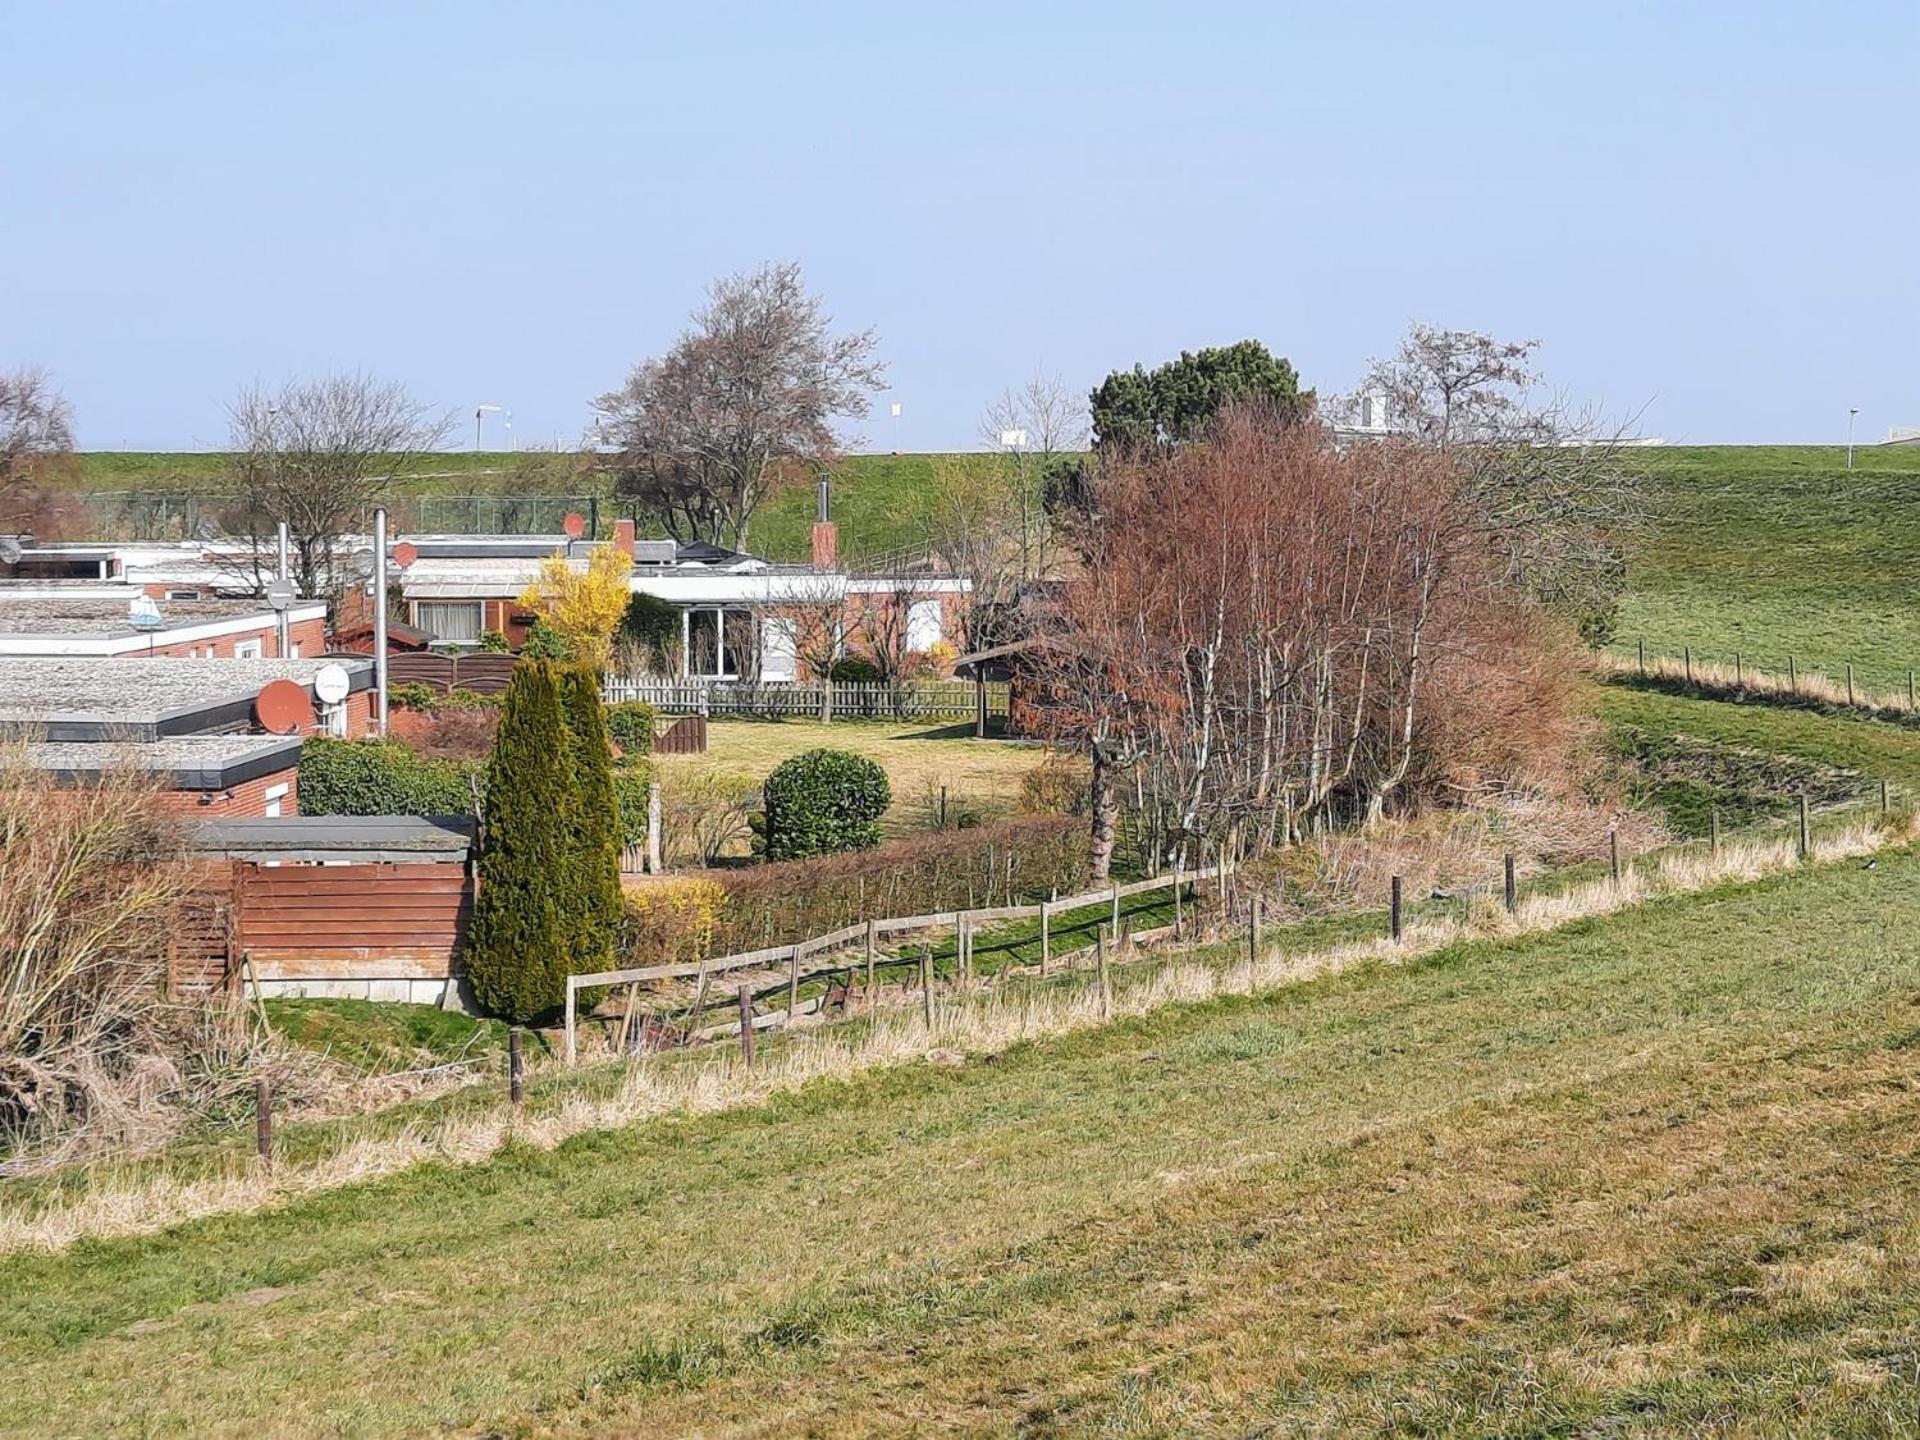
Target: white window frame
[[425, 610], [254, 649], [926, 625], [273, 797]]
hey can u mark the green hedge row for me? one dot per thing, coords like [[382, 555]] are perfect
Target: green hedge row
[[383, 777]]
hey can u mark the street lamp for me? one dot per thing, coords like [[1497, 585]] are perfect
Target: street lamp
[[1852, 410], [479, 411]]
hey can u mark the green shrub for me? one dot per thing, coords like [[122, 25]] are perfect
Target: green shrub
[[630, 722], [382, 777], [632, 786], [853, 670], [411, 696], [517, 952], [824, 801], [492, 642], [462, 698], [546, 643], [590, 904]]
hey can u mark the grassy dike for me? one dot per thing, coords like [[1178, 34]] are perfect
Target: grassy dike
[[1643, 1172]]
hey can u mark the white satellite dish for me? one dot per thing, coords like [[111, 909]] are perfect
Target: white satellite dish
[[9, 550], [331, 683], [280, 594]]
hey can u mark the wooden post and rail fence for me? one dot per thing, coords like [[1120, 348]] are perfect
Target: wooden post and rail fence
[[854, 949]]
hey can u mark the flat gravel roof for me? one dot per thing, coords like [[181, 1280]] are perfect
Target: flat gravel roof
[[134, 697], [191, 762], [91, 615]]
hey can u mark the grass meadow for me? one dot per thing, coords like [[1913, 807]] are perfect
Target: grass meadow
[[1653, 1172]]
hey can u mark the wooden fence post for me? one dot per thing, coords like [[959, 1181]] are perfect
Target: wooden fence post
[[1046, 940], [654, 866], [1116, 910], [1736, 669], [1253, 945], [1849, 683], [1613, 854], [263, 1120], [516, 1070], [943, 809], [871, 931], [1393, 910], [1793, 676], [1713, 829], [1177, 917], [746, 1026], [1513, 888], [1883, 797], [1100, 967], [1910, 697], [1687, 650], [573, 1051], [793, 979], [1641, 647], [926, 984], [963, 948], [1806, 831]]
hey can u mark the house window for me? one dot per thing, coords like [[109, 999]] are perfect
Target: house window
[[247, 650], [276, 798], [451, 622], [778, 649], [183, 594], [924, 626]]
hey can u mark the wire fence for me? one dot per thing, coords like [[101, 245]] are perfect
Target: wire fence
[[813, 699]]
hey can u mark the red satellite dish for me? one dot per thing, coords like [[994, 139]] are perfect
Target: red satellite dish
[[282, 707], [405, 553], [575, 524]]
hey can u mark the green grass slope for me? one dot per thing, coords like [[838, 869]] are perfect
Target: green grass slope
[[1780, 550], [1654, 1174]]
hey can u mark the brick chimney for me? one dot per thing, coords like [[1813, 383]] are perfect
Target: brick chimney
[[623, 537], [826, 535]]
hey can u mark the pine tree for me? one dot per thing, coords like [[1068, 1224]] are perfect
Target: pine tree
[[517, 950], [591, 908]]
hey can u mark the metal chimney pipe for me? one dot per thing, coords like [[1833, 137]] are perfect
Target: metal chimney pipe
[[380, 617], [826, 508]]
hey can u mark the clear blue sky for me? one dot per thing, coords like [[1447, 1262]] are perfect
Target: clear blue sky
[[1710, 210]]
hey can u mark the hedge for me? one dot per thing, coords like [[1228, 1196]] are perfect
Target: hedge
[[1014, 861], [383, 777], [630, 723], [824, 801]]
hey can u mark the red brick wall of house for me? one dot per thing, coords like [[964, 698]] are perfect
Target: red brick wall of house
[[245, 801], [308, 637]]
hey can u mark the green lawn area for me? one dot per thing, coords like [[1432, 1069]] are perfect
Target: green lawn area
[[919, 757], [1779, 550], [1651, 1174]]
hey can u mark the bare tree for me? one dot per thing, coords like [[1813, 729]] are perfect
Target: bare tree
[[320, 455], [1034, 425], [1555, 487], [742, 406], [976, 529], [36, 436]]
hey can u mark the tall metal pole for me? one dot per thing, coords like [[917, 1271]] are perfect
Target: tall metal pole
[[1852, 411], [380, 617], [280, 624]]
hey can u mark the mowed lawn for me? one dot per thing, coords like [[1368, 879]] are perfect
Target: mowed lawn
[[1654, 1174], [1774, 551], [919, 757]]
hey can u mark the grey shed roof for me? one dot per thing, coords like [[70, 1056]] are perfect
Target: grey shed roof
[[366, 839], [190, 762]]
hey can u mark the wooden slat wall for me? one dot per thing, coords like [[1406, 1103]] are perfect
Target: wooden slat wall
[[318, 921]]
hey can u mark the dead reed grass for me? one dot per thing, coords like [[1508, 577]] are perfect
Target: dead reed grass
[[1718, 677], [981, 1021]]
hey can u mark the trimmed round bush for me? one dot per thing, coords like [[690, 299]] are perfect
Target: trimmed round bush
[[630, 723], [823, 802], [853, 670]]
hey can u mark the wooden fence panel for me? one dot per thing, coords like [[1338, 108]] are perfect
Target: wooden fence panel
[[333, 921], [807, 699]]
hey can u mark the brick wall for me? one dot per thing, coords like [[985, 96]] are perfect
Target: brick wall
[[307, 637], [245, 801]]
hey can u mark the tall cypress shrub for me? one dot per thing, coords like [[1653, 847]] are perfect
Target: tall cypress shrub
[[591, 910], [517, 951]]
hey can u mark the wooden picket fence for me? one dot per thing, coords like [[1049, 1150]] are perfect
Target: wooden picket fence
[[810, 699], [867, 936]]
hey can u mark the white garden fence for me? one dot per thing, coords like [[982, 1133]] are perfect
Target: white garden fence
[[809, 699]]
